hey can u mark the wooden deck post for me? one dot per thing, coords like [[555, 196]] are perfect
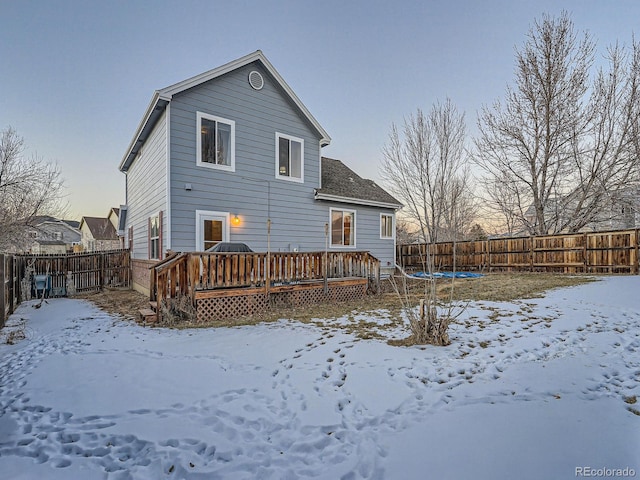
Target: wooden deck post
[[267, 283], [326, 248]]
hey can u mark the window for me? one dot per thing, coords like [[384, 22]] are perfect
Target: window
[[154, 237], [386, 225], [289, 158], [343, 228], [57, 235], [215, 142]]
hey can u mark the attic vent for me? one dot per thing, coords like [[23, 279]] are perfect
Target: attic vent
[[256, 80]]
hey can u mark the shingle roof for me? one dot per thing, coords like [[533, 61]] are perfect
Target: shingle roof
[[100, 228], [340, 183], [72, 223], [49, 242]]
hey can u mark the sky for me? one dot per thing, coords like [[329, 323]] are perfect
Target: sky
[[77, 76]]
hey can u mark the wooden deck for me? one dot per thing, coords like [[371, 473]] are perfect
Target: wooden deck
[[224, 285]]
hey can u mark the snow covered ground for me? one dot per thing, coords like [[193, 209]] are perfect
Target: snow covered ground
[[531, 389]]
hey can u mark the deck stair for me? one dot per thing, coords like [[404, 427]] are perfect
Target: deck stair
[[149, 315]]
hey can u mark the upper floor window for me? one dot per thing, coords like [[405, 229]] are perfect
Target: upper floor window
[[289, 158], [343, 228], [57, 235], [215, 142], [386, 225]]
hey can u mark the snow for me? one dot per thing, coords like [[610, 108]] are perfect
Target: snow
[[529, 389]]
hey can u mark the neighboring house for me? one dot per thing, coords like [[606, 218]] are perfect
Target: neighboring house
[[49, 235], [233, 155], [114, 218], [98, 234]]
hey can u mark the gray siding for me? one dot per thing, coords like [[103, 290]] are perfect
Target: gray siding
[[252, 191], [147, 189]]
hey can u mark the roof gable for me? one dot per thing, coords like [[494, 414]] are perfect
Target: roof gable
[[341, 184], [161, 99], [100, 228]]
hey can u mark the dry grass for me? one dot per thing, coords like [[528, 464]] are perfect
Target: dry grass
[[124, 303], [492, 287], [506, 287]]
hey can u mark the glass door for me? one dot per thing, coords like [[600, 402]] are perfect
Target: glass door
[[211, 229]]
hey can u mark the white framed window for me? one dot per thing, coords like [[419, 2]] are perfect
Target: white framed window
[[216, 144], [154, 237], [289, 158], [386, 226], [343, 228], [211, 229], [57, 235]]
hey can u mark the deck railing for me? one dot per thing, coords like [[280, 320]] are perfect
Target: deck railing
[[186, 273]]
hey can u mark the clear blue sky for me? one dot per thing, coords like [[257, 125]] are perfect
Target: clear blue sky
[[76, 76]]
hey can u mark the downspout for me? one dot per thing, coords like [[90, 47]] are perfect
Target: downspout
[[168, 195]]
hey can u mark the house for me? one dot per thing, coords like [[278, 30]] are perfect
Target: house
[[99, 234], [49, 235], [233, 154]]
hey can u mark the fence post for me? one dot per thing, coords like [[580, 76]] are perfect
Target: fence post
[[585, 254], [12, 283], [3, 300], [101, 261], [531, 252], [636, 265]]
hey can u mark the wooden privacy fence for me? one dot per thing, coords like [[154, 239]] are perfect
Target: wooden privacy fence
[[595, 252], [9, 290], [186, 273], [74, 272]]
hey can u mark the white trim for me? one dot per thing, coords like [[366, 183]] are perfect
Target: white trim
[[356, 201], [254, 73], [355, 222], [214, 118], [320, 166], [167, 223], [210, 215], [153, 216], [393, 224], [277, 164]]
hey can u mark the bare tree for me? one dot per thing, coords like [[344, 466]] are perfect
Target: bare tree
[[406, 233], [29, 187], [425, 167], [560, 145], [605, 158]]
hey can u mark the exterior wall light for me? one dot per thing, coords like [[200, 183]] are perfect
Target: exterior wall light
[[235, 221]]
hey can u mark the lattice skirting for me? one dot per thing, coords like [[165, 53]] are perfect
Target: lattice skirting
[[236, 304]]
